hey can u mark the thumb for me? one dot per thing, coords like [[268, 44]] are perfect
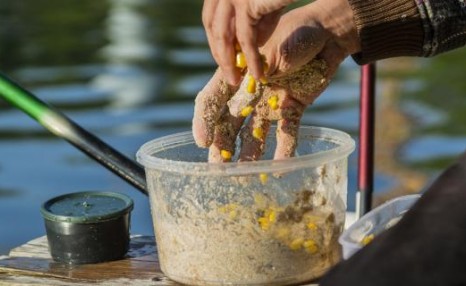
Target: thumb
[[333, 55], [287, 50]]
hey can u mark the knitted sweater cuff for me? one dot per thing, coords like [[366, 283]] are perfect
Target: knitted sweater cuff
[[387, 28]]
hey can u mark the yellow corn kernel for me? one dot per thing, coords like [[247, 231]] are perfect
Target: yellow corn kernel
[[264, 223], [263, 178], [227, 208], [282, 232], [241, 60], [296, 244], [310, 246], [272, 216], [266, 213], [312, 218], [276, 209], [225, 154], [311, 226], [259, 199], [246, 111], [251, 87], [232, 206], [367, 239], [258, 133], [273, 102], [233, 214]]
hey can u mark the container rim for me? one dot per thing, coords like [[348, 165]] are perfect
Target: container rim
[[145, 155], [349, 245], [47, 214]]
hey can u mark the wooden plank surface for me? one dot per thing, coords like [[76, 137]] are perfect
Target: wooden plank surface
[[31, 264]]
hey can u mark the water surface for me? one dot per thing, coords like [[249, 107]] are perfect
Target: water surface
[[129, 70]]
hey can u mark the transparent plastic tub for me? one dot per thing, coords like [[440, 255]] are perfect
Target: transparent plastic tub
[[374, 222], [250, 223]]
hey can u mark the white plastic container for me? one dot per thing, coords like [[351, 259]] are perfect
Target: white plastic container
[[250, 223], [374, 222]]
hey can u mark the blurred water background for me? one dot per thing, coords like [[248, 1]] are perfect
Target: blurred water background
[[128, 71]]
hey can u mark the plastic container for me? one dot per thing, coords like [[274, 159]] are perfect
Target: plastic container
[[374, 222], [87, 227], [250, 223]]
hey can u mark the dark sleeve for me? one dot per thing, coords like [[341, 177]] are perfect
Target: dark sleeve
[[427, 247], [424, 28]]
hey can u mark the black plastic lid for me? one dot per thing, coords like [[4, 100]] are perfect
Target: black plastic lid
[[86, 207]]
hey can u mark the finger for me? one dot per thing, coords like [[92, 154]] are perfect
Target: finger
[[223, 41], [293, 43], [218, 21], [252, 18], [240, 106], [265, 15], [266, 26], [264, 7], [209, 104], [226, 131], [333, 55], [247, 96], [246, 36], [287, 128], [208, 15], [253, 137], [208, 12], [299, 48]]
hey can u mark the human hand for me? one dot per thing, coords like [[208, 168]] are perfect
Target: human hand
[[247, 22], [303, 53]]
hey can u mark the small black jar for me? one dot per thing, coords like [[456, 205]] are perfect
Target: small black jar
[[88, 227]]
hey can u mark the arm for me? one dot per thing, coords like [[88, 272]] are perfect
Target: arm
[[391, 28], [329, 30]]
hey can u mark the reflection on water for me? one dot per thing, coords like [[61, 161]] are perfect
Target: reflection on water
[[128, 31], [128, 71]]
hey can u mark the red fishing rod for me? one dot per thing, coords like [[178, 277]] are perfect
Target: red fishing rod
[[366, 139]]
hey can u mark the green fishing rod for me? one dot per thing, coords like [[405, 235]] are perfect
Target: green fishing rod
[[61, 126]]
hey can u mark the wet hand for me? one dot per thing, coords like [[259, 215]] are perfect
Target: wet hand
[[302, 55], [221, 110]]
